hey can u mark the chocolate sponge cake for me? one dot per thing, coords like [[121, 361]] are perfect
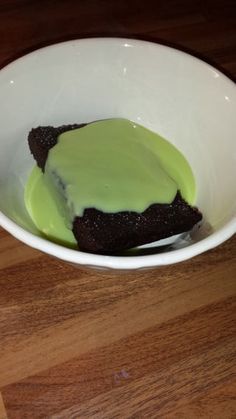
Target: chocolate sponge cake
[[41, 139], [108, 233]]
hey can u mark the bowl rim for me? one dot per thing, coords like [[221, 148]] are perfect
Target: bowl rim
[[118, 262]]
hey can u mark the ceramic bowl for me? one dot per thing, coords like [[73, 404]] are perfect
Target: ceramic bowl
[[172, 93]]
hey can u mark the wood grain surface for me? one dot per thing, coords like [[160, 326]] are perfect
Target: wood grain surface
[[76, 343]]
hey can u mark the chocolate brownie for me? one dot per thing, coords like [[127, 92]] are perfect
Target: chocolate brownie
[[109, 233]]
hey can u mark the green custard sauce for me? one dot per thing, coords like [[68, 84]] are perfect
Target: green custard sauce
[[112, 165]]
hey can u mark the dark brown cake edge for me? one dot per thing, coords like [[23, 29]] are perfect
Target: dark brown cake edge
[[42, 139], [104, 233]]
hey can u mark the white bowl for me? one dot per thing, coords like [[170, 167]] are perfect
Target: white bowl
[[182, 98]]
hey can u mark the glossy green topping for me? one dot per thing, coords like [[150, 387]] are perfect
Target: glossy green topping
[[44, 210], [112, 165]]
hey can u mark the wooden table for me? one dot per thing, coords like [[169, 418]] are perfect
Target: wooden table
[[83, 344]]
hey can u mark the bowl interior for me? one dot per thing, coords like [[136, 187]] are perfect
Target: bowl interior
[[186, 101]]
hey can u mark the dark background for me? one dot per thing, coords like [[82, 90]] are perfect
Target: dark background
[[203, 28]]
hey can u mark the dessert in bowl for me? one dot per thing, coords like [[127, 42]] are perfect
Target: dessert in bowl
[[168, 92]]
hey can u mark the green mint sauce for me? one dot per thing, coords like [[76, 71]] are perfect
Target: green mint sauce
[[112, 165]]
